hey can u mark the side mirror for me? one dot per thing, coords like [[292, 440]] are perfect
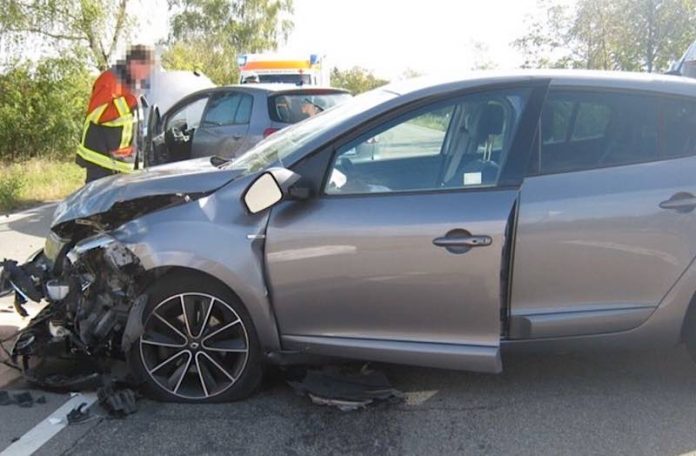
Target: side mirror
[[269, 188], [263, 193]]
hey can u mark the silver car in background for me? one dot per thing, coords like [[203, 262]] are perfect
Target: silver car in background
[[229, 120], [517, 211]]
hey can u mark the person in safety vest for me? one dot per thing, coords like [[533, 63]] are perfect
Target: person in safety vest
[[106, 146]]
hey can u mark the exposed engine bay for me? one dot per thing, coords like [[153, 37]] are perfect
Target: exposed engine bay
[[91, 288]]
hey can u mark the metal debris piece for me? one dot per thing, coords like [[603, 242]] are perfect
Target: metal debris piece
[[5, 398], [119, 403], [345, 388], [78, 414], [24, 400]]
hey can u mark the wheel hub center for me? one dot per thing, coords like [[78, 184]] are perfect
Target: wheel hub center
[[194, 345]]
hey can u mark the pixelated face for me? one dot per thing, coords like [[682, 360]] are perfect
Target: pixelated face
[[139, 69]]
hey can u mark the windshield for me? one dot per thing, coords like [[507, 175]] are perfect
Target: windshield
[[278, 147], [293, 107]]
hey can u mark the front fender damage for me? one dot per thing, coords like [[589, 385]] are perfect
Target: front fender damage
[[95, 298]]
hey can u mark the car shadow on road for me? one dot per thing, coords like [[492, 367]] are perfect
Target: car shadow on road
[[32, 222]]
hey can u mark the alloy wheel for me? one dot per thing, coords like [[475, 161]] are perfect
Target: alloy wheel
[[194, 346]]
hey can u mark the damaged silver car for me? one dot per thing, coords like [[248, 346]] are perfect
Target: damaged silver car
[[527, 211]]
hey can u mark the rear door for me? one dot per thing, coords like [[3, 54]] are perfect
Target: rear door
[[225, 125], [400, 266], [606, 222]]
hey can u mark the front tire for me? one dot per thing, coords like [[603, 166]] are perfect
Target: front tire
[[199, 343]]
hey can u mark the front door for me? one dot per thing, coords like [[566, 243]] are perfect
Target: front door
[[400, 258], [224, 127]]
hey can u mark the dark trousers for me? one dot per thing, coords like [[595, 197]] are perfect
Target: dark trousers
[[95, 172]]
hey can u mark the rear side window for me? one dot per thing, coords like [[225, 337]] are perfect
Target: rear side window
[[592, 121], [585, 130], [677, 126], [228, 109], [293, 107]]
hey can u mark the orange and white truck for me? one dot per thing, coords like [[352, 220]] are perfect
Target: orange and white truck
[[300, 70]]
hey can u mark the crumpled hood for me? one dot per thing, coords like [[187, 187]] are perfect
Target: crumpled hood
[[186, 177]]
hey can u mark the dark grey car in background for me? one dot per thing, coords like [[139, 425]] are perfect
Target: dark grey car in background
[[519, 211], [227, 121]]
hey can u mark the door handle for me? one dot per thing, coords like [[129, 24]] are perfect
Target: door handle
[[467, 241], [681, 202], [236, 137]]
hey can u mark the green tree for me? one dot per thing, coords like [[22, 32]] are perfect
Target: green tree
[[481, 56], [42, 107], [629, 35], [89, 29], [207, 35], [356, 79], [659, 31], [544, 45]]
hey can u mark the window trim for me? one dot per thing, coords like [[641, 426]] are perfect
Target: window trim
[[660, 97]]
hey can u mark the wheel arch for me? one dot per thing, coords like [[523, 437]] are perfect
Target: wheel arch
[[253, 296]]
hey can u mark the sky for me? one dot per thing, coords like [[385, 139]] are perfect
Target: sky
[[392, 36]]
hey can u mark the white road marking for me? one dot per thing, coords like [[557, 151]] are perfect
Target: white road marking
[[36, 437]]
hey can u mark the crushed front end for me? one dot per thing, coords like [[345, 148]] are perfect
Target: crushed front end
[[90, 288]]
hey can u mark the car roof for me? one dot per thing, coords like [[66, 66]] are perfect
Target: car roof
[[281, 88], [262, 89], [677, 85]]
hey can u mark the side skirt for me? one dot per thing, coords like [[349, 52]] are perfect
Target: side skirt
[[426, 354]]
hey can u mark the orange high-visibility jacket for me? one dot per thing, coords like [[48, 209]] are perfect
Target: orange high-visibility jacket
[[107, 135]]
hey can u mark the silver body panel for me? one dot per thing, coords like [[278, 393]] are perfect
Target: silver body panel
[[597, 240], [366, 268]]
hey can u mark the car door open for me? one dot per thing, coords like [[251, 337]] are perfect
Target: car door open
[[400, 259], [224, 127]]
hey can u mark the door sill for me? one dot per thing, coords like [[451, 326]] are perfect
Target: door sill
[[578, 322], [475, 358]]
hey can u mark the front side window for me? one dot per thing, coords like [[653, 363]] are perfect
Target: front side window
[[462, 144], [189, 116], [228, 109]]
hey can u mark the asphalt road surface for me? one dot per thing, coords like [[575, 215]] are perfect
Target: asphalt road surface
[[591, 403]]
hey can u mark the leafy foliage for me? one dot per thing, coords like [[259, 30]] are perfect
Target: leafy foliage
[[42, 107], [628, 35], [91, 29], [356, 79], [208, 35]]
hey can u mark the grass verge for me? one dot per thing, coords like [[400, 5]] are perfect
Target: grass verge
[[37, 181]]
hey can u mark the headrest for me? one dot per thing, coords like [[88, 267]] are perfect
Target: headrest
[[491, 121]]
